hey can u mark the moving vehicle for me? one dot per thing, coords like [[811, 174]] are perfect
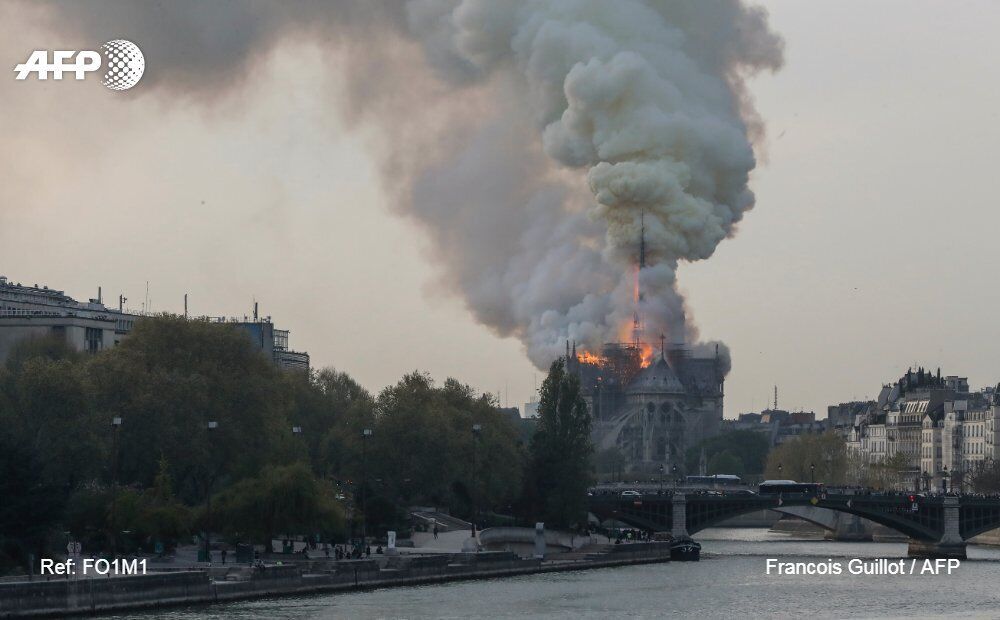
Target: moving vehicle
[[716, 480], [777, 487]]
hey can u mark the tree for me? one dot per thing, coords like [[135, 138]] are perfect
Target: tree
[[986, 479], [436, 468], [748, 447], [325, 405], [49, 412], [282, 500], [29, 504], [725, 462], [161, 516], [560, 452], [881, 473], [172, 376], [826, 451]]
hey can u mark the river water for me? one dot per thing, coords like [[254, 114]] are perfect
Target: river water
[[731, 581]]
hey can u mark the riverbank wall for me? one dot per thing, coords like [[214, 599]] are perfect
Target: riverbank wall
[[63, 597]]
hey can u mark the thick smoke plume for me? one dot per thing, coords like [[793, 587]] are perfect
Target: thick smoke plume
[[529, 139]]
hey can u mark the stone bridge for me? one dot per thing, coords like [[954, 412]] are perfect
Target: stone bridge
[[937, 526]]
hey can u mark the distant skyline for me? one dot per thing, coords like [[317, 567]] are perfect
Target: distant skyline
[[871, 247]]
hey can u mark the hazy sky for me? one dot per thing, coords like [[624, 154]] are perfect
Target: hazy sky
[[871, 247]]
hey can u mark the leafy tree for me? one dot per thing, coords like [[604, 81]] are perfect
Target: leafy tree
[[148, 516], [883, 473], [50, 414], [324, 405], [161, 516], [561, 451], [51, 348], [172, 376], [29, 504], [827, 451], [986, 479], [749, 447], [725, 462], [436, 426], [282, 500]]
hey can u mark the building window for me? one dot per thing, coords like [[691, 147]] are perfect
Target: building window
[[93, 340]]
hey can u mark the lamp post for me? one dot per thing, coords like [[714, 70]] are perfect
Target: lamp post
[[944, 480], [116, 423], [211, 426], [365, 434], [812, 472], [662, 469], [779, 470], [476, 430], [673, 472]]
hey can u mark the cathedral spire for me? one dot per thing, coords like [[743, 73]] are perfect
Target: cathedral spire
[[642, 239]]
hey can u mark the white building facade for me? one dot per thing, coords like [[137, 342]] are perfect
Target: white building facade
[[943, 431]]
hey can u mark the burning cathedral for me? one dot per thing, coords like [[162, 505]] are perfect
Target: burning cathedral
[[652, 406], [651, 410]]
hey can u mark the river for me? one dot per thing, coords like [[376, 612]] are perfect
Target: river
[[731, 581]]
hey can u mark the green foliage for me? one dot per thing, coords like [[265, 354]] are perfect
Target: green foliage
[[161, 516], [725, 462], [747, 452], [172, 376], [827, 451], [560, 452], [86, 516], [137, 518], [986, 478], [435, 424], [883, 473], [51, 415], [282, 500], [29, 504], [325, 405], [51, 348]]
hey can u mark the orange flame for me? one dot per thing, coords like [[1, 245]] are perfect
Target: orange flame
[[589, 358], [646, 352]]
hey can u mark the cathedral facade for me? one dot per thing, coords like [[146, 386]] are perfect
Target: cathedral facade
[[652, 412]]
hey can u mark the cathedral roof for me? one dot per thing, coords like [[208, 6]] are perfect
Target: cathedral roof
[[658, 378]]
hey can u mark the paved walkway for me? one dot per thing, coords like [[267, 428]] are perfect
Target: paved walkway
[[447, 542]]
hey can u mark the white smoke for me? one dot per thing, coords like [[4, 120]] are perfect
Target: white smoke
[[528, 138], [647, 99]]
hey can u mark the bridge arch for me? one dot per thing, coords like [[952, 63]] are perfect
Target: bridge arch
[[655, 512]]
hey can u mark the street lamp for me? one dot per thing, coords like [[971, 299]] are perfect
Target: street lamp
[[116, 423], [662, 469], [779, 470], [944, 480], [673, 472], [476, 430], [812, 472], [211, 426], [365, 434]]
